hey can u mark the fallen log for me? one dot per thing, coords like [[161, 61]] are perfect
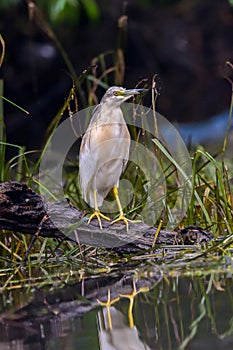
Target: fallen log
[[25, 211]]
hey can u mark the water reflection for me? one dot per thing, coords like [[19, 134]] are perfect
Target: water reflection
[[138, 311], [119, 335]]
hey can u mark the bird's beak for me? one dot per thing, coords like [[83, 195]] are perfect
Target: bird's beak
[[132, 92]]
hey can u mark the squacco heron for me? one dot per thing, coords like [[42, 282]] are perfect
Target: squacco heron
[[104, 152]]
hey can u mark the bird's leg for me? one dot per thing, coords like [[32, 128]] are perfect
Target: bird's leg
[[121, 216], [108, 304], [97, 213], [131, 301]]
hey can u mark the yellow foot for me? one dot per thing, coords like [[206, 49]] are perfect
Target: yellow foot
[[98, 215], [108, 304], [126, 221]]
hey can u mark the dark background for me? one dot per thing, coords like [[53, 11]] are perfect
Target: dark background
[[185, 42]]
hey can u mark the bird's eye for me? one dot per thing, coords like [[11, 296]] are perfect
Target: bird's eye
[[116, 93]]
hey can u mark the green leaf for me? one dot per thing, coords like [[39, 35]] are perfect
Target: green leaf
[[91, 9]]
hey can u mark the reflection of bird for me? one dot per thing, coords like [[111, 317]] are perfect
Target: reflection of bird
[[104, 151], [120, 336]]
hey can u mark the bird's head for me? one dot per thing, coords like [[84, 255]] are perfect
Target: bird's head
[[116, 95]]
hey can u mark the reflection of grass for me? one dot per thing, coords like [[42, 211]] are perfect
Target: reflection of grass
[[184, 310]]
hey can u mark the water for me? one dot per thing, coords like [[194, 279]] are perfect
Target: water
[[165, 313]]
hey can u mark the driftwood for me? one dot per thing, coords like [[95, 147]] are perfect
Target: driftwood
[[22, 210]]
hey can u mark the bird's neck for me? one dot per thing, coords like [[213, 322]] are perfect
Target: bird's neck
[[111, 113]]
